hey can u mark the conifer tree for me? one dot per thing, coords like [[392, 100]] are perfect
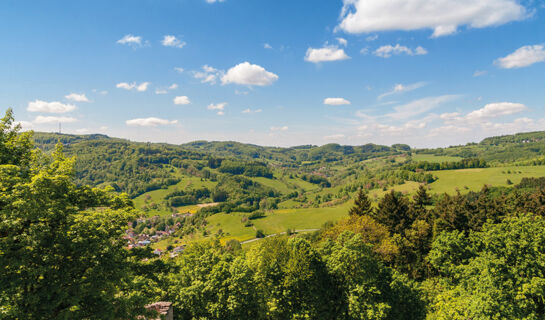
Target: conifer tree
[[422, 198], [393, 212], [362, 205]]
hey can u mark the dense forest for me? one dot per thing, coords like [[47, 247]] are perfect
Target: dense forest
[[67, 204]]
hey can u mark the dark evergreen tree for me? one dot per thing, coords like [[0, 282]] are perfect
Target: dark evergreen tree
[[362, 205], [422, 198], [393, 211]]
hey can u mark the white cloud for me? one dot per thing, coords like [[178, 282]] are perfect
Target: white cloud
[[129, 39], [208, 75], [24, 124], [493, 110], [248, 110], [400, 88], [82, 130], [149, 122], [77, 97], [450, 115], [336, 101], [241, 93], [342, 41], [178, 69], [283, 128], [218, 106], [444, 17], [249, 74], [522, 57], [214, 1], [133, 85], [339, 136], [50, 107], [125, 85], [142, 87], [372, 37], [172, 41], [49, 119], [479, 73], [267, 46], [160, 91], [173, 86], [389, 50], [419, 106], [327, 53], [181, 100]]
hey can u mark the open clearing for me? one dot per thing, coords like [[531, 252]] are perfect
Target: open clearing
[[474, 179]]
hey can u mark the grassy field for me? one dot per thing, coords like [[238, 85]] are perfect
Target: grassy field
[[275, 222], [474, 179], [157, 196], [433, 158]]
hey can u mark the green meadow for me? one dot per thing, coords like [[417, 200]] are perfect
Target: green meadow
[[467, 180]]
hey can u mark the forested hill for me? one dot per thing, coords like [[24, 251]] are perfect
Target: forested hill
[[139, 167]]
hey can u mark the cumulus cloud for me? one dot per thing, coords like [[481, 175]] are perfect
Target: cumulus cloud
[[389, 50], [131, 40], [208, 74], [249, 74], [172, 41], [173, 86], [133, 86], [325, 54], [419, 106], [479, 73], [444, 17], [339, 136], [77, 97], [493, 110], [160, 91], [181, 100], [248, 110], [342, 41], [267, 46], [400, 88], [50, 107], [282, 128], [149, 122], [336, 101], [522, 57], [178, 69], [220, 107], [50, 119]]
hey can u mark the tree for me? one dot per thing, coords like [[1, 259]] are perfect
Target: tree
[[362, 205], [292, 280], [497, 273], [213, 284], [422, 198], [369, 289], [62, 255], [393, 211]]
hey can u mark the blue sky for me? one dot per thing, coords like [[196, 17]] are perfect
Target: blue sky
[[272, 72]]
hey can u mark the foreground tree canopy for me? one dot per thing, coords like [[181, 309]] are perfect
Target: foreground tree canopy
[[61, 247]]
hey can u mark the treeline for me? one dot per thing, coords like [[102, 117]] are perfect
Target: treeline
[[316, 179], [250, 169], [178, 198], [452, 165]]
